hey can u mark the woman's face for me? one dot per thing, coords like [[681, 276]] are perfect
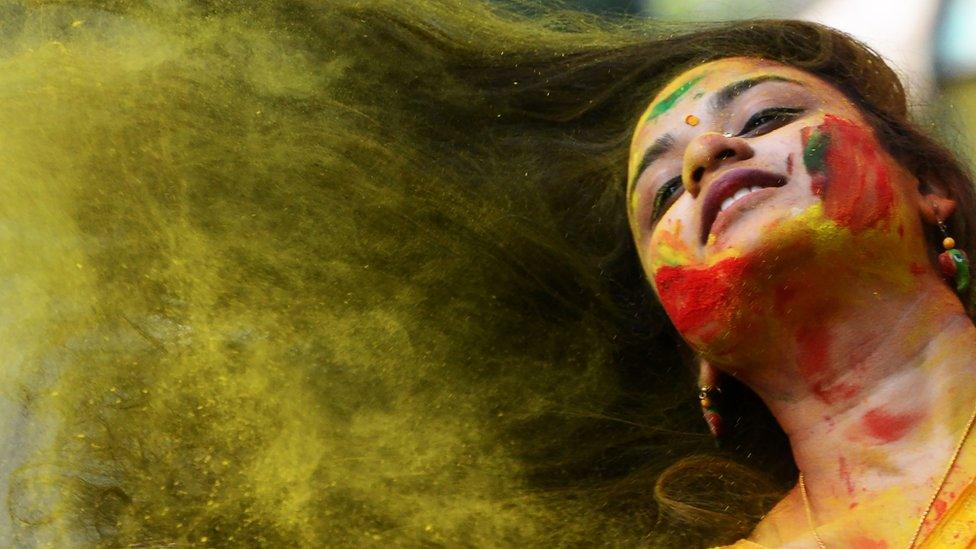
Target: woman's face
[[758, 193]]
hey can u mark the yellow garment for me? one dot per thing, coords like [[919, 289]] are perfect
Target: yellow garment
[[956, 529]]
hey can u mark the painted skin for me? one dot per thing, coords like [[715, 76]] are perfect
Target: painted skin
[[819, 293]]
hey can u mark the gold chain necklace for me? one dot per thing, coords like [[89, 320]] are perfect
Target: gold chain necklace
[[928, 509]]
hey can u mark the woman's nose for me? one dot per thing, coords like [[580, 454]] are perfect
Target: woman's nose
[[706, 153]]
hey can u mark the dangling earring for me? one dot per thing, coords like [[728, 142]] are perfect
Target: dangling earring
[[953, 262], [709, 394]]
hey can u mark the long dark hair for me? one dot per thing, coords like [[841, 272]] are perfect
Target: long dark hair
[[358, 272]]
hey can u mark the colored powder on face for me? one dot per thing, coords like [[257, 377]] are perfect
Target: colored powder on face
[[711, 296], [700, 300], [938, 509], [670, 248], [634, 200], [665, 104], [887, 427], [789, 164], [848, 171], [703, 299], [814, 149]]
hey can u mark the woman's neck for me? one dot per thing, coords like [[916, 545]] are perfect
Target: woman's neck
[[875, 396]]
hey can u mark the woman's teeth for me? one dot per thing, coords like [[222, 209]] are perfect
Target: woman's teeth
[[738, 194]]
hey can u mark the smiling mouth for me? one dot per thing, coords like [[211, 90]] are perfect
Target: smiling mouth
[[729, 188]]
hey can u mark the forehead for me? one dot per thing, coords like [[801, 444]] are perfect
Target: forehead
[[698, 83]]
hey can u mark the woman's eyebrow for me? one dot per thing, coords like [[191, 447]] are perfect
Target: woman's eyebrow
[[660, 147], [726, 95]]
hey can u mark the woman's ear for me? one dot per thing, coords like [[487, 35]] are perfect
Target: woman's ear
[[934, 204]]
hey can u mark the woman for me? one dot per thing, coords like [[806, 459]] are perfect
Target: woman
[[788, 246], [355, 273]]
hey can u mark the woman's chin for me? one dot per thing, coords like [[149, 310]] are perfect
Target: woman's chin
[[744, 230], [757, 276]]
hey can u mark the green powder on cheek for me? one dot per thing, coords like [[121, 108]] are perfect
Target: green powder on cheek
[[815, 151]]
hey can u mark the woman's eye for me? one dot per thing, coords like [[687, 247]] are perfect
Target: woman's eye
[[666, 196], [769, 119]]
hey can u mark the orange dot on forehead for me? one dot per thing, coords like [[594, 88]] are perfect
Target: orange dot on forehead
[[691, 120]]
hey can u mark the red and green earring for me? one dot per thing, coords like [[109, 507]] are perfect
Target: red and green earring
[[953, 262], [708, 396]]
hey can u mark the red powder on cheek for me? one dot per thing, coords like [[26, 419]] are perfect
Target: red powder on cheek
[[817, 184], [887, 427], [916, 268], [849, 173], [698, 299]]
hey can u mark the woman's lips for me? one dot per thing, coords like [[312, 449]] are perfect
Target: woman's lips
[[725, 188]]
